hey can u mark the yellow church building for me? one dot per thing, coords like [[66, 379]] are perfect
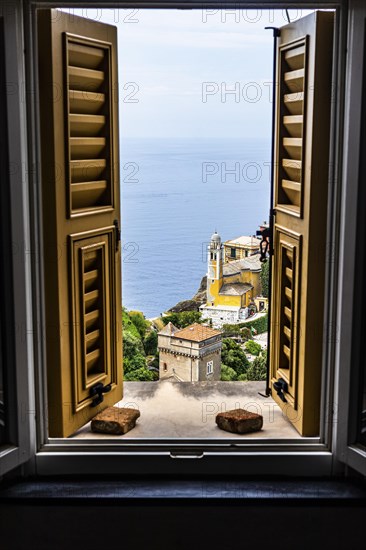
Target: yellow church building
[[231, 285]]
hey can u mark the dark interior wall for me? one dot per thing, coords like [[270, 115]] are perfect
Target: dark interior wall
[[176, 526]]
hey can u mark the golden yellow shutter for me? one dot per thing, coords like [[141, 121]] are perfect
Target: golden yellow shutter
[[81, 213], [302, 136]]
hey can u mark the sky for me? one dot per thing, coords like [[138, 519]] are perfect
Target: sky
[[194, 73]]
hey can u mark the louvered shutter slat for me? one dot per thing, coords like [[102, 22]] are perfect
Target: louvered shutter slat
[[89, 107]]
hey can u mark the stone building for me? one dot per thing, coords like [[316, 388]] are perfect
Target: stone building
[[241, 247], [192, 354]]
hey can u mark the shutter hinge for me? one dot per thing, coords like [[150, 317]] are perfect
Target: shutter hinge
[[118, 234], [97, 392]]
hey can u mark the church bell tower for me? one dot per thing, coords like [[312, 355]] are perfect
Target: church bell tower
[[215, 260]]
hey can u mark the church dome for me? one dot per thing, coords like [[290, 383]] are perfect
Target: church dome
[[215, 238]]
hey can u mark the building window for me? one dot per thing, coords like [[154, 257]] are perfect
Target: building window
[[209, 367], [232, 252], [165, 367]]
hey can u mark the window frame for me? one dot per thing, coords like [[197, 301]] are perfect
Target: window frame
[[346, 450], [209, 367], [19, 367], [311, 457]]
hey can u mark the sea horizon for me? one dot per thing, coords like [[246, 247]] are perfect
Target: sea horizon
[[175, 192]]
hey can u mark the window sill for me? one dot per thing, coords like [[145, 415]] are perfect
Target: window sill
[[280, 490]]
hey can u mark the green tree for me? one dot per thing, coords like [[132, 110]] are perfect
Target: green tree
[[228, 374], [128, 325], [135, 340], [139, 321], [140, 375], [257, 370], [151, 343], [233, 356], [131, 345], [253, 347], [264, 276], [136, 362]]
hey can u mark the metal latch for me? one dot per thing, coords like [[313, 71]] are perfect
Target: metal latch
[[118, 233], [98, 391], [281, 386]]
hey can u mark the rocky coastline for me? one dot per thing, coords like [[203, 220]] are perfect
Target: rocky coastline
[[194, 303]]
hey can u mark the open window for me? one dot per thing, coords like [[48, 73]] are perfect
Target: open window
[[80, 175], [81, 257]]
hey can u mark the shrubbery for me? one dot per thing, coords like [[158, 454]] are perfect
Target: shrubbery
[[258, 368], [134, 362], [228, 374], [151, 342], [236, 366], [244, 329], [259, 325], [233, 356], [139, 321], [264, 276], [253, 347], [141, 375], [137, 343], [231, 330]]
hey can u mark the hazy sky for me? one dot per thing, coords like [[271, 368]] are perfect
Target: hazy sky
[[177, 67]]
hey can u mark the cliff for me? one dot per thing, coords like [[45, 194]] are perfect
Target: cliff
[[194, 303]]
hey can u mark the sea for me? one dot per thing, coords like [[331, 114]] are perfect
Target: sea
[[174, 194]]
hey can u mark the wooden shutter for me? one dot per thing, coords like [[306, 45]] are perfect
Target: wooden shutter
[[81, 212], [302, 136]]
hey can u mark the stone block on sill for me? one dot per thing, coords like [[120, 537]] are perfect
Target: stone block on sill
[[115, 421], [239, 421]]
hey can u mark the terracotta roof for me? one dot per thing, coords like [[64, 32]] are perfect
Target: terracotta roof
[[235, 289], [168, 330], [196, 333], [251, 263]]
